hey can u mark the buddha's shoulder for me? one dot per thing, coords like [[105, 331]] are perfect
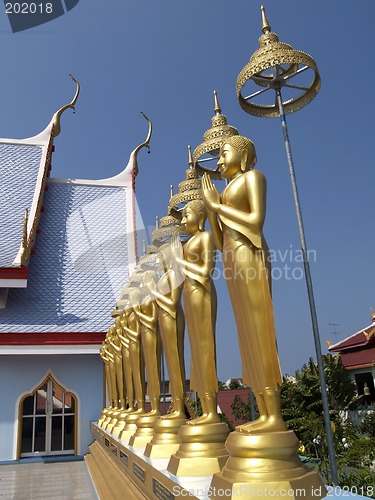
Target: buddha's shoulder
[[255, 174]]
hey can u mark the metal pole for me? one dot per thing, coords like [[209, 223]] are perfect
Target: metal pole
[[318, 349], [163, 382]]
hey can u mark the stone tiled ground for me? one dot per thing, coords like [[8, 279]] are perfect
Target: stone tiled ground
[[57, 481]]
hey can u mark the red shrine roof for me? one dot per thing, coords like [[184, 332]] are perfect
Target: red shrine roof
[[359, 359], [358, 350]]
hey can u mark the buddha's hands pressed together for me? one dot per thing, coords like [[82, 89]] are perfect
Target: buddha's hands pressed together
[[149, 284], [210, 193], [176, 249]]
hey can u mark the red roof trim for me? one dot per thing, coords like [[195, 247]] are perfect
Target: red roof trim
[[356, 359], [358, 339], [52, 338], [14, 273]]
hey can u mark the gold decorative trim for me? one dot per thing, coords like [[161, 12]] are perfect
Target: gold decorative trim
[[213, 139], [273, 53], [56, 117], [144, 144]]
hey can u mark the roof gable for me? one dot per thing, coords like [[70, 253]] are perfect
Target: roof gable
[[24, 166], [80, 265], [357, 340]]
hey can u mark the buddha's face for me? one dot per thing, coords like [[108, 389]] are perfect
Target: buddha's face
[[190, 220], [229, 161]]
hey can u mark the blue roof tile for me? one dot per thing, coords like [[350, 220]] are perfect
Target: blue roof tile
[[80, 265], [19, 166]]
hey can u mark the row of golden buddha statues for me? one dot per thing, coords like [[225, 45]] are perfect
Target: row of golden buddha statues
[[260, 457], [149, 317]]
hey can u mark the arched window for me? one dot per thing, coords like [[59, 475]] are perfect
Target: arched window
[[47, 421]]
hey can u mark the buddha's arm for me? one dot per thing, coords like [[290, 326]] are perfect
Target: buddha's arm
[[217, 233], [211, 197], [116, 347], [163, 299], [145, 318], [207, 252], [175, 281], [104, 357], [124, 340], [255, 184], [133, 335], [110, 356]]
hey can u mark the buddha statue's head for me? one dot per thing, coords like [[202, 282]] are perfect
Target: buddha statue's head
[[194, 216], [237, 152]]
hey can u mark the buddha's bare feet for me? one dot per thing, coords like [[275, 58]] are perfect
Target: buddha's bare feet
[[247, 428], [209, 418], [265, 425], [174, 415], [128, 410], [152, 413]]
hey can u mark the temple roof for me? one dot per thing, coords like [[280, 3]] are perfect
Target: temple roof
[[358, 340], [358, 359], [24, 167], [82, 259], [357, 350]]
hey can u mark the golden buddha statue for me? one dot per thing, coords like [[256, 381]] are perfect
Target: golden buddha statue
[[120, 321], [133, 330], [115, 343], [197, 261], [167, 293], [108, 377], [237, 219], [147, 315], [108, 354]]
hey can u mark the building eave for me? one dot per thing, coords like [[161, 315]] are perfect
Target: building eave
[[51, 338], [49, 350], [13, 277]]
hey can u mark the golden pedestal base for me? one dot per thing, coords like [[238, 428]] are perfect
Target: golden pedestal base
[[202, 450], [110, 424], [116, 467], [107, 417], [165, 440], [118, 428], [144, 432], [265, 465], [120, 423], [130, 427]]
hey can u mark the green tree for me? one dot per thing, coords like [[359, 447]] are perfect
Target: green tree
[[341, 388], [241, 410], [368, 425]]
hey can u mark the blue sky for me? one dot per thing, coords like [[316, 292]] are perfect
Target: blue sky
[[165, 58]]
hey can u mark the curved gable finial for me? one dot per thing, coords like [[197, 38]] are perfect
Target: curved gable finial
[[134, 153], [57, 115]]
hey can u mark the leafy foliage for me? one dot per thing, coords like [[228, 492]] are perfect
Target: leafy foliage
[[368, 425], [341, 389], [240, 409]]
